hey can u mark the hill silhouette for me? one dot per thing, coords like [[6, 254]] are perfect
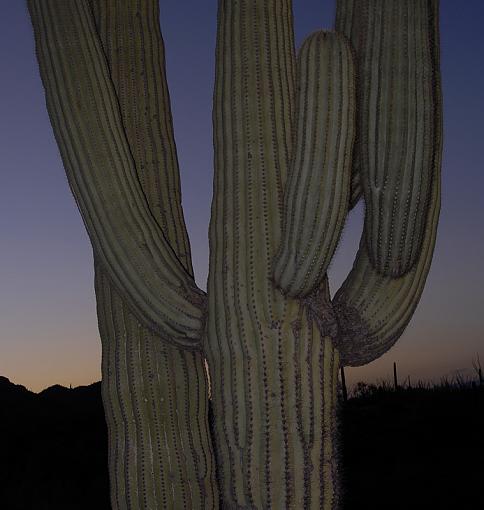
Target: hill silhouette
[[420, 448], [53, 448]]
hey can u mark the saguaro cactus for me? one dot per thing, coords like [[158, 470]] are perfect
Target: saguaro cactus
[[297, 142], [102, 64]]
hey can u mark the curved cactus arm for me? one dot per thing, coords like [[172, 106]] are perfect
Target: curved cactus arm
[[129, 31], [317, 191], [372, 309], [396, 47], [85, 115]]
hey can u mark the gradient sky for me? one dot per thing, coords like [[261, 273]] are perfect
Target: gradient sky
[[48, 327]]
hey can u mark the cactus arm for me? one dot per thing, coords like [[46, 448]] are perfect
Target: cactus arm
[[397, 64], [87, 123], [373, 310], [129, 31], [317, 191]]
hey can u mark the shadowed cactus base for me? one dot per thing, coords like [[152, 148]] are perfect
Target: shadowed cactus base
[[298, 139]]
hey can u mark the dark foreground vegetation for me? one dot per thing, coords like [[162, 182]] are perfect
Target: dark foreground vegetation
[[414, 448]]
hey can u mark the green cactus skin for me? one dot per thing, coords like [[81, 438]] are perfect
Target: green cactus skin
[[283, 136], [316, 194], [373, 309], [154, 393], [272, 363], [131, 41], [397, 56], [156, 407]]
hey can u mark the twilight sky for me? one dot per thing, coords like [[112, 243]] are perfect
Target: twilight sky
[[48, 326]]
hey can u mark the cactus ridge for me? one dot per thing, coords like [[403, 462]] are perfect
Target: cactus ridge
[[101, 172], [397, 55], [316, 194]]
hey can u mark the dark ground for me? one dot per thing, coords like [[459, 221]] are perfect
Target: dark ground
[[410, 449], [415, 449]]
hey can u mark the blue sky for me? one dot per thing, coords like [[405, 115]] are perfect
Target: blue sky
[[48, 328]]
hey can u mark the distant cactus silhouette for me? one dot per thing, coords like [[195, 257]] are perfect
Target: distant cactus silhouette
[[297, 142]]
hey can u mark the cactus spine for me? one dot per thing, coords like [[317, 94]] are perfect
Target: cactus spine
[[285, 176]]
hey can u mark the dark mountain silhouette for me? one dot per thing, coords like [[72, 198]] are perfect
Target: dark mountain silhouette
[[14, 394], [53, 448], [420, 448]]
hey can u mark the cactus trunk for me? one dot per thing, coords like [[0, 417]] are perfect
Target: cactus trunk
[[156, 408], [273, 365]]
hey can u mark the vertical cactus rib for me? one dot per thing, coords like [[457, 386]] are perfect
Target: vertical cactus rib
[[87, 123], [398, 135], [317, 191], [253, 103], [159, 445]]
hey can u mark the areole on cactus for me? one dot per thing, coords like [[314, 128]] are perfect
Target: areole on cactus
[[297, 142]]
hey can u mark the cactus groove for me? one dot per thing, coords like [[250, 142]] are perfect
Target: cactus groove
[[297, 142]]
